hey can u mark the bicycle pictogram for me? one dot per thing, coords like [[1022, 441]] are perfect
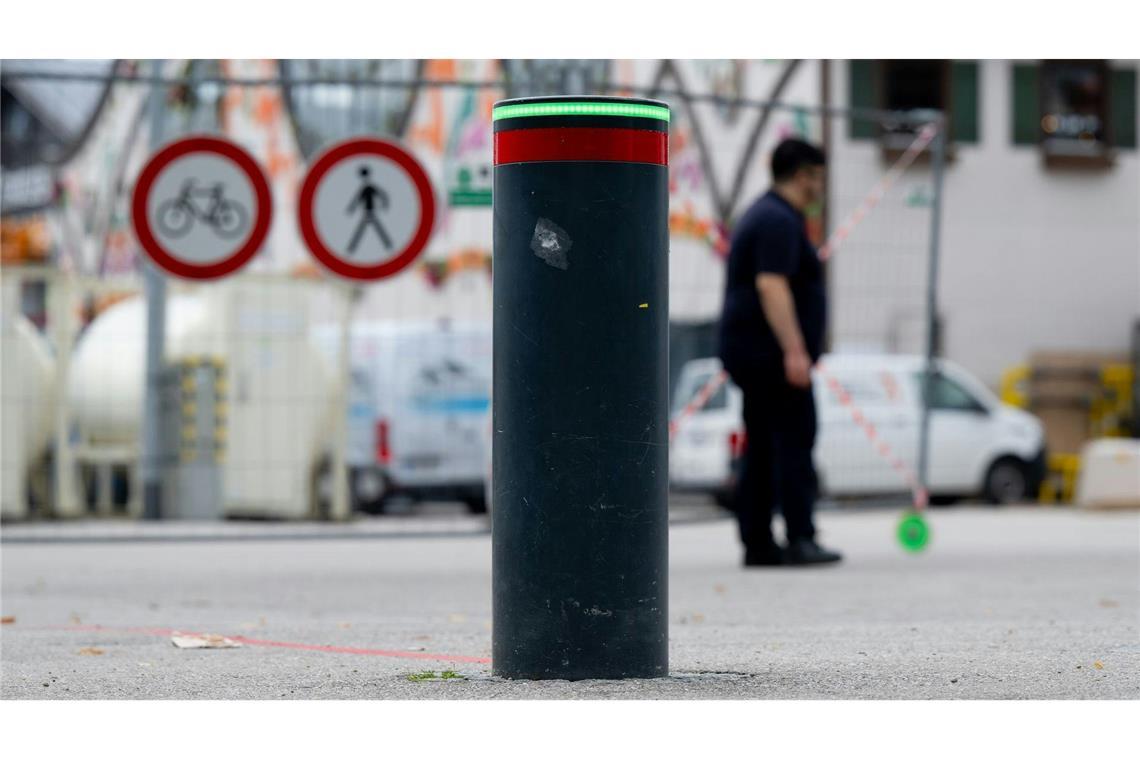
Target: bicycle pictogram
[[226, 217]]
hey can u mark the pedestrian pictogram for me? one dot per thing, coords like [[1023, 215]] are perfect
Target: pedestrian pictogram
[[366, 201], [366, 209], [201, 208]]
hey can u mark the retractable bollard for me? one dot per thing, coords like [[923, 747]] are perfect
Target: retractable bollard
[[580, 427]]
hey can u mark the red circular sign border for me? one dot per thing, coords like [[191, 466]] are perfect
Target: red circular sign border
[[150, 172], [330, 158]]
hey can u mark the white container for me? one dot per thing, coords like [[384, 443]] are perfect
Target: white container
[[278, 386], [106, 383], [280, 392], [1110, 474], [27, 391]]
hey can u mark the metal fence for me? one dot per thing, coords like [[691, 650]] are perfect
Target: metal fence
[[285, 392]]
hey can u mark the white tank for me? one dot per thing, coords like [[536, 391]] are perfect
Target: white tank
[[106, 383], [27, 390], [279, 386]]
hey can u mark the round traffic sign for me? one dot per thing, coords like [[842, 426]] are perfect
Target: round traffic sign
[[201, 208], [366, 209]]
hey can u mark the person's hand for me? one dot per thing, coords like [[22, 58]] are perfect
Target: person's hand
[[797, 368]]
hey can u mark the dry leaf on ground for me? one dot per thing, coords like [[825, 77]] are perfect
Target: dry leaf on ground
[[202, 641], [91, 651], [7, 620]]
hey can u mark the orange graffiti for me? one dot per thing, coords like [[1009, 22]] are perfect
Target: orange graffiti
[[431, 134], [232, 99], [440, 68], [686, 224], [307, 270], [267, 107], [277, 161], [468, 258], [24, 241], [465, 259], [678, 140]]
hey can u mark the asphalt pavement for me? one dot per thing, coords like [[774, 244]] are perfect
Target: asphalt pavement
[[1031, 602]]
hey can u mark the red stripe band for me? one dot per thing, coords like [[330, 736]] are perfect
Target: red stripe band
[[640, 146]]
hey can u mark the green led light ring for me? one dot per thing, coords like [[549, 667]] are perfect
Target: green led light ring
[[636, 110]]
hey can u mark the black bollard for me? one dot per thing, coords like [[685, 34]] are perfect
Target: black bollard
[[580, 426]]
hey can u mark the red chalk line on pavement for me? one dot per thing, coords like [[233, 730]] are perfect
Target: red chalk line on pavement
[[247, 641]]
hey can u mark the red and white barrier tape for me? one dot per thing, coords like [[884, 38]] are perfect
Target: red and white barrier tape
[[880, 445], [700, 398], [924, 137], [877, 443]]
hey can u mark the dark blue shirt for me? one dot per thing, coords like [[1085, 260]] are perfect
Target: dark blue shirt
[[770, 237]]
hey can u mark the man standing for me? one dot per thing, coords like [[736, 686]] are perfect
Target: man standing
[[771, 333]]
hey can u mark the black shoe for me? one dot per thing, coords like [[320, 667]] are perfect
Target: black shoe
[[770, 556], [805, 551]]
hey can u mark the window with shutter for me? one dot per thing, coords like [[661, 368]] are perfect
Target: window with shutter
[[1026, 104], [1078, 112], [964, 101], [861, 78], [1122, 108], [908, 85]]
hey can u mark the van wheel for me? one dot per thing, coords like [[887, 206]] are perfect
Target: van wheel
[[476, 505], [1007, 482]]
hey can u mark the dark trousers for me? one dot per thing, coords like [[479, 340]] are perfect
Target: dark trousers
[[780, 423]]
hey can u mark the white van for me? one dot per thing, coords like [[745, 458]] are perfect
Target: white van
[[979, 446], [419, 404]]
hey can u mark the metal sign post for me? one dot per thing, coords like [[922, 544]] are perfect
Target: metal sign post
[[938, 152], [580, 451], [154, 289], [201, 209], [366, 211]]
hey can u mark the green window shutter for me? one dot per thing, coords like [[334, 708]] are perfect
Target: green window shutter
[[861, 94], [1122, 107], [964, 101], [1026, 104]]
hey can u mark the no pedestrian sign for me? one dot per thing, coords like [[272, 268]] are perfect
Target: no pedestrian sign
[[366, 209], [201, 208]]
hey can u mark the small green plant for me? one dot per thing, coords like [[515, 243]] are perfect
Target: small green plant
[[430, 675]]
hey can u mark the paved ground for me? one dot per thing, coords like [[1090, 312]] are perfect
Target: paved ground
[[1015, 603]]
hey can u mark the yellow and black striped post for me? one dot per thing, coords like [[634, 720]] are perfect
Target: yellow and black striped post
[[580, 422]]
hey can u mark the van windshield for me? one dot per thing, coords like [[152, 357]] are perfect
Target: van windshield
[[947, 395]]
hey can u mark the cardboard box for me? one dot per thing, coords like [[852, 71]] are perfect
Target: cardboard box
[[1066, 428], [1062, 388], [1068, 375]]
